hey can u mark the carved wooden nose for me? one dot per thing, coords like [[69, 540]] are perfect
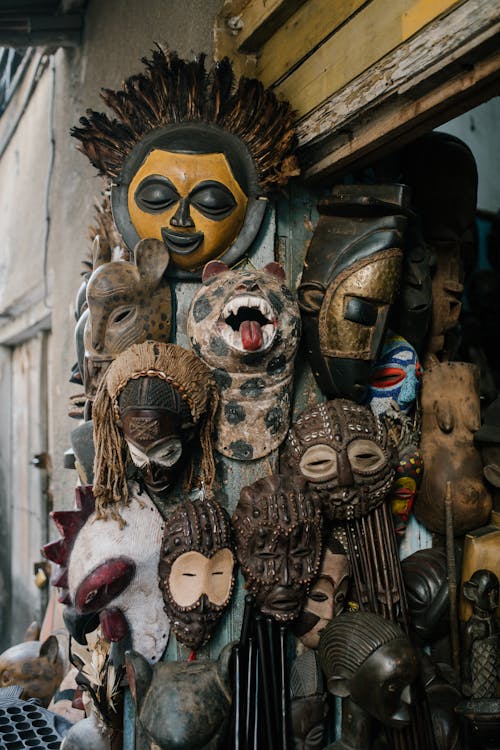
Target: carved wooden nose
[[344, 470], [182, 217]]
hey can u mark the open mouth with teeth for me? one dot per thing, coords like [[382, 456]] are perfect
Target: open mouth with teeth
[[249, 324]]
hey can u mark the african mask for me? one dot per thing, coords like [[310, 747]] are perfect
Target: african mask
[[450, 417], [193, 165], [480, 552], [409, 473], [344, 452], [350, 280], [481, 646], [369, 658], [109, 567], [153, 399], [245, 326], [327, 595], [196, 569], [442, 174], [394, 377], [182, 705], [411, 314], [128, 303], [278, 543], [309, 708]]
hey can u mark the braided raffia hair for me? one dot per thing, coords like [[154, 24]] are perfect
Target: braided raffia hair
[[173, 91], [349, 639], [182, 369]]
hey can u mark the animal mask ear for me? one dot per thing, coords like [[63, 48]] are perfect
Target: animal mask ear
[[99, 257], [339, 686], [212, 269], [276, 269], [50, 649], [33, 632], [470, 591], [139, 675], [151, 259]]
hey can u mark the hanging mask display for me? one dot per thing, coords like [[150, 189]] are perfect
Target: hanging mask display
[[153, 400], [327, 596], [344, 452], [450, 417], [109, 568], [278, 543], [245, 325], [409, 473], [395, 376], [309, 707], [196, 569], [192, 158], [369, 658], [182, 705], [128, 302], [350, 280], [442, 174]]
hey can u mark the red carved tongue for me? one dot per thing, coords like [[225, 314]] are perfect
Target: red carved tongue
[[251, 335]]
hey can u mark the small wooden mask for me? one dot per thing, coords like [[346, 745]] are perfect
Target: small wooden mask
[[450, 417], [196, 569], [278, 543], [128, 303], [344, 452], [245, 325]]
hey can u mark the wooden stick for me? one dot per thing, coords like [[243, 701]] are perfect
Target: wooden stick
[[452, 578]]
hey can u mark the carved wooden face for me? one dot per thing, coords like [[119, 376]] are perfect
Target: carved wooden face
[[191, 202]]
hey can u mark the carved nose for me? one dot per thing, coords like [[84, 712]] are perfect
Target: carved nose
[[344, 470], [182, 218]]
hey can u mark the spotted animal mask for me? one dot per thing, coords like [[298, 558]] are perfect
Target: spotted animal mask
[[196, 569], [278, 543], [349, 282], [128, 303], [245, 326], [450, 417], [395, 376], [344, 452]]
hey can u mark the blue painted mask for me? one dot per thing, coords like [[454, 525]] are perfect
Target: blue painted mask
[[396, 376]]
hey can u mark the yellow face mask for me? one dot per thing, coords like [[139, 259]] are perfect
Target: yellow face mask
[[191, 202]]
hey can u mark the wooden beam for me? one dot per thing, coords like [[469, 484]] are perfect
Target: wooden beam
[[260, 19], [403, 118], [305, 31], [368, 37]]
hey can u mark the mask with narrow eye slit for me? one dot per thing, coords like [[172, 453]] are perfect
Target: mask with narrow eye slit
[[196, 569], [346, 455], [278, 543]]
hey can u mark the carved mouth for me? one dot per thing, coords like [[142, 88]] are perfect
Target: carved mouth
[[250, 324], [182, 243]]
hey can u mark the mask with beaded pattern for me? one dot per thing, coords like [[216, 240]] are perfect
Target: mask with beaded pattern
[[196, 569], [344, 452], [278, 543]]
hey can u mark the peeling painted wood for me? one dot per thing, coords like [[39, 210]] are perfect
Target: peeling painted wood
[[260, 19], [368, 37]]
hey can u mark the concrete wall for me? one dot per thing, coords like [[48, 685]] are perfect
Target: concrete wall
[[48, 189]]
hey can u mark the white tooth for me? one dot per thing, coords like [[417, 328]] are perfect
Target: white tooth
[[236, 340]]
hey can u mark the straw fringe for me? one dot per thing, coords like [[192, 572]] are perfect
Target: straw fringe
[[194, 381]]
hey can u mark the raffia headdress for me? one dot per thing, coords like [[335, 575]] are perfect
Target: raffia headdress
[[183, 370]]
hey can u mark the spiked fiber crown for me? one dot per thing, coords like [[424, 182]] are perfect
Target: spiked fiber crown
[[172, 92]]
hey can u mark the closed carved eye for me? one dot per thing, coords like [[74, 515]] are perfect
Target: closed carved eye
[[319, 463], [213, 199], [318, 596], [156, 194], [365, 456]]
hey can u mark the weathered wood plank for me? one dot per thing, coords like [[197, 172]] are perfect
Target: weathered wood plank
[[403, 117], [301, 34], [368, 37], [260, 19]]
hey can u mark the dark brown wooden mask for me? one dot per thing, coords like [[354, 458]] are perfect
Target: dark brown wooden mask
[[450, 406], [196, 569], [278, 543], [128, 302], [344, 452], [350, 280]]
